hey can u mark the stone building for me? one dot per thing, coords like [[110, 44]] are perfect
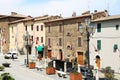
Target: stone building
[[4, 29], [36, 29], [64, 40]]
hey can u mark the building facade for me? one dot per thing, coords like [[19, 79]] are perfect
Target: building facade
[[4, 29], [105, 42], [63, 37], [36, 30]]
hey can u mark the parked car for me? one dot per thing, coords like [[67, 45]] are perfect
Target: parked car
[[9, 55]]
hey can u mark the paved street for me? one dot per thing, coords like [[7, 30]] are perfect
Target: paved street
[[20, 72]]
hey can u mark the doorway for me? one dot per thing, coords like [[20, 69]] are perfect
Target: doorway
[[49, 54], [80, 58]]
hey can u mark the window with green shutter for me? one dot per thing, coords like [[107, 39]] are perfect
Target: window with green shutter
[[99, 44], [99, 27], [117, 27], [115, 47]]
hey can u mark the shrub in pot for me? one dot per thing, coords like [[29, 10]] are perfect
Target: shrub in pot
[[50, 70], [32, 64], [2, 68], [6, 64]]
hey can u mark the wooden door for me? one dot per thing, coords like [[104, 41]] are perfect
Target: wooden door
[[49, 54], [80, 58]]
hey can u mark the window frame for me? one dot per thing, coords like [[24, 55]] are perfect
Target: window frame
[[37, 29], [98, 45], [79, 42], [117, 27], [98, 27]]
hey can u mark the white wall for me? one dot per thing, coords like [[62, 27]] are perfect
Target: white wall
[[108, 36]]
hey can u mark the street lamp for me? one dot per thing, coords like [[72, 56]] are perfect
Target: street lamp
[[27, 36], [89, 30]]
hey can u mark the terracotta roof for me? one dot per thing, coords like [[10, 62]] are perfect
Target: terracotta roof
[[14, 15], [107, 18], [2, 16], [62, 19], [22, 20]]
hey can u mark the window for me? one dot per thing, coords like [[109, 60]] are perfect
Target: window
[[99, 27], [49, 42], [26, 28], [60, 41], [41, 39], [31, 38], [12, 29], [115, 47], [60, 27], [49, 29], [80, 26], [37, 28], [32, 27], [117, 27], [41, 27], [37, 40], [98, 44], [79, 41]]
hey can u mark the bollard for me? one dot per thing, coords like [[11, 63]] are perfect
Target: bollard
[[79, 68], [54, 64], [65, 67], [25, 61]]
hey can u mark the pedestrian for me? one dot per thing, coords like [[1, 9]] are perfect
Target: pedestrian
[[12, 56]]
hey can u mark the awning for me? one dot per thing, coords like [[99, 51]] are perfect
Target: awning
[[40, 48]]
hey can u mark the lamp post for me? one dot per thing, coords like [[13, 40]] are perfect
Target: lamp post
[[89, 30], [27, 44]]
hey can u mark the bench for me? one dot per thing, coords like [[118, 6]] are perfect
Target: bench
[[61, 73]]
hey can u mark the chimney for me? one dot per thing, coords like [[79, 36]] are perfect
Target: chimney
[[95, 11], [87, 12], [13, 13], [74, 14]]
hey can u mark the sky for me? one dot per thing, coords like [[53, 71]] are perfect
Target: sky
[[57, 7]]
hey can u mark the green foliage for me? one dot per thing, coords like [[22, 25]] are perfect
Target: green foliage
[[109, 73], [75, 64], [6, 76], [2, 68], [6, 57], [6, 64]]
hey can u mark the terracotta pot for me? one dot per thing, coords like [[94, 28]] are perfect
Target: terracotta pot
[[75, 76], [31, 65], [50, 70]]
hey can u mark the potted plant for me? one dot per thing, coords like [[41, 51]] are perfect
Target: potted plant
[[6, 57], [108, 73], [74, 74], [50, 69], [32, 64], [2, 68], [6, 64], [6, 76]]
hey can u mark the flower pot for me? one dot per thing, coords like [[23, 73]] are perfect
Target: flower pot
[[50, 70], [31, 65], [6, 64], [75, 76]]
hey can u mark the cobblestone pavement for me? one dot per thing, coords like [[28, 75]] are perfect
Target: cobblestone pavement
[[19, 71]]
